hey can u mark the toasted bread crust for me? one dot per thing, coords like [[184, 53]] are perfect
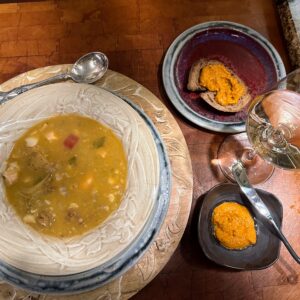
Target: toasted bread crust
[[194, 75], [209, 96]]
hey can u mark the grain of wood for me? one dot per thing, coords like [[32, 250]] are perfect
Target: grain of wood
[[135, 34]]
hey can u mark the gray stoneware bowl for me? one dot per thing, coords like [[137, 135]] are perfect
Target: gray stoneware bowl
[[259, 256]]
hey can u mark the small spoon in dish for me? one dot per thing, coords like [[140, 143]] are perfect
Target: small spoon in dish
[[87, 69], [240, 176]]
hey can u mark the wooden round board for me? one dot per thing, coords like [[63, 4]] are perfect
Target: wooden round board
[[175, 222]]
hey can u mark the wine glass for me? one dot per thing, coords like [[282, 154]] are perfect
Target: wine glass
[[272, 136]]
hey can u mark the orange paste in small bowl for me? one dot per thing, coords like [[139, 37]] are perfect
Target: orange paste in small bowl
[[233, 226]]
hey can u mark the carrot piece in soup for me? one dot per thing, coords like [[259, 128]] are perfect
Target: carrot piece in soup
[[71, 140]]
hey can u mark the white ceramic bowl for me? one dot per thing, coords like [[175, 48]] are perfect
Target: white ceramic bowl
[[46, 264]]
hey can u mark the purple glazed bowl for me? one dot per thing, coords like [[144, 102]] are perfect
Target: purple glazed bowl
[[238, 47]]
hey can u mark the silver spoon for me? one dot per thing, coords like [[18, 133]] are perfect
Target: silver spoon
[[87, 69], [240, 176]]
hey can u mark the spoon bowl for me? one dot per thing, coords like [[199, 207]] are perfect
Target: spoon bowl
[[89, 68]]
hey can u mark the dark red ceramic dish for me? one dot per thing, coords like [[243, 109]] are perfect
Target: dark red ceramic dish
[[238, 51]]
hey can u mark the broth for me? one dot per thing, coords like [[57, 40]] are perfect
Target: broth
[[66, 175]]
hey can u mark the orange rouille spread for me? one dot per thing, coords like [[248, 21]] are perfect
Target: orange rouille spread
[[233, 226], [217, 78]]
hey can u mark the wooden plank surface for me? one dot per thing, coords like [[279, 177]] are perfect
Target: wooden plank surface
[[289, 12], [135, 35]]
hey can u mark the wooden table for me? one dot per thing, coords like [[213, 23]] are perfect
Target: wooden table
[[135, 35]]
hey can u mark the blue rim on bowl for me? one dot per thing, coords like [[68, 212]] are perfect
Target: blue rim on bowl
[[262, 47], [98, 276]]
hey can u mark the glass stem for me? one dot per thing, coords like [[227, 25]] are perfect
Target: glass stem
[[248, 156]]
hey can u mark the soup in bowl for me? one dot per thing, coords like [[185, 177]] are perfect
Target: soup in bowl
[[66, 175], [85, 187]]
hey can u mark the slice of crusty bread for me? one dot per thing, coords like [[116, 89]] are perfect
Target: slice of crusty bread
[[194, 75], [209, 96]]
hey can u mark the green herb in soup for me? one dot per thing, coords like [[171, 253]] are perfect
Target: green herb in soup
[[66, 175]]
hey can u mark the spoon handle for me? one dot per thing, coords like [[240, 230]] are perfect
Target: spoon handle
[[241, 178], [4, 96], [285, 241]]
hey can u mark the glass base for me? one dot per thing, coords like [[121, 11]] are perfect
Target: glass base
[[237, 147]]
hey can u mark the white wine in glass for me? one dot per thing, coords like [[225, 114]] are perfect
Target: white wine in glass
[[273, 130]]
